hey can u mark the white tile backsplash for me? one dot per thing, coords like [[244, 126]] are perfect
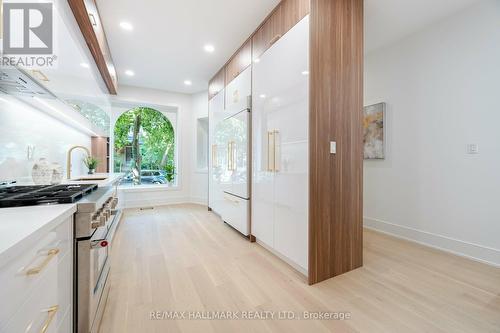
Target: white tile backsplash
[[21, 126]]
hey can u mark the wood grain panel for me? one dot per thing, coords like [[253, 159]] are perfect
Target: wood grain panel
[[216, 84], [336, 95], [292, 11], [270, 31], [239, 62], [89, 21], [100, 150]]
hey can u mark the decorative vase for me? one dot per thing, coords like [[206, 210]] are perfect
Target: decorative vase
[[42, 172], [91, 171], [57, 174]]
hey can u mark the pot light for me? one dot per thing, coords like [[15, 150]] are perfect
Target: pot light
[[129, 72], [188, 82], [209, 48], [257, 60], [262, 96], [126, 26], [305, 72], [85, 65]]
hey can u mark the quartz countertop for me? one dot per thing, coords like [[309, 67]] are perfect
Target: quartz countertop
[[89, 179], [21, 226], [95, 178]]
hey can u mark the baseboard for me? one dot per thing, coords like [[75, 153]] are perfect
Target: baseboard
[[154, 202], [472, 251], [199, 200], [289, 262]]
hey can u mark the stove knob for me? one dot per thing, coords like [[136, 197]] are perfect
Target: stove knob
[[114, 203], [95, 224], [107, 212], [102, 218]]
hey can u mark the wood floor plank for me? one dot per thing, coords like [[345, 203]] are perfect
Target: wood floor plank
[[183, 258]]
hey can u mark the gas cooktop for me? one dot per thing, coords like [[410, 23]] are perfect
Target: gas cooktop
[[15, 196]]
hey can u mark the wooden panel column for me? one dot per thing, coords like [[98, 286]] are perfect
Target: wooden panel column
[[336, 100]]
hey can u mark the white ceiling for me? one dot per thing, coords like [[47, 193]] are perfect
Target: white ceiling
[[166, 46], [387, 21]]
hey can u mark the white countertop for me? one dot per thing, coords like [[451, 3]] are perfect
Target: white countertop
[[90, 179], [94, 179], [20, 226]]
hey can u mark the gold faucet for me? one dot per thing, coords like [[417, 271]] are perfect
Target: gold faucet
[[68, 162]]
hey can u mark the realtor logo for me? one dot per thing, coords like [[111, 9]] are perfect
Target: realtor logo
[[27, 28]]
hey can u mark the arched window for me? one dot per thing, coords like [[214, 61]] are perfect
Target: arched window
[[144, 147]]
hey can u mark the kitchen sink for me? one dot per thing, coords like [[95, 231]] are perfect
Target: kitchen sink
[[89, 179]]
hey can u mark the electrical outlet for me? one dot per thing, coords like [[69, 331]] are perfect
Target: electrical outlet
[[333, 147], [472, 148]]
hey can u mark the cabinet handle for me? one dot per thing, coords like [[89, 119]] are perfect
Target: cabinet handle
[[51, 313], [275, 137], [269, 135], [274, 39], [50, 254]]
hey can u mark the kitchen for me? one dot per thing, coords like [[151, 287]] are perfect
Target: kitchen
[[287, 167]]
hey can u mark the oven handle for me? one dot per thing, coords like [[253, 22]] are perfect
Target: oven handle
[[100, 242]]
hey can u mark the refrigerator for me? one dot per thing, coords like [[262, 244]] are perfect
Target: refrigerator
[[232, 141]]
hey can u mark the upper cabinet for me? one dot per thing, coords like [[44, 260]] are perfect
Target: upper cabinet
[[286, 15], [87, 16], [216, 84], [283, 18], [239, 62]]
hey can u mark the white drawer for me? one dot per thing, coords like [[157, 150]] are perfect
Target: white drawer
[[49, 303], [235, 213], [23, 273]]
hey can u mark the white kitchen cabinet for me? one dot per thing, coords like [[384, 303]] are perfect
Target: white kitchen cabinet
[[38, 284], [280, 146], [237, 92]]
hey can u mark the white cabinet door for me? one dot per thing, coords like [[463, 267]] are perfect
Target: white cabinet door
[[281, 89], [262, 175], [238, 91], [216, 115]]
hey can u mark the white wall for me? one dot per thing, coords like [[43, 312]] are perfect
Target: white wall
[[190, 183], [199, 177], [441, 86], [23, 125]]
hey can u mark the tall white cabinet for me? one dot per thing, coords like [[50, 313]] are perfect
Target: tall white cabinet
[[280, 122]]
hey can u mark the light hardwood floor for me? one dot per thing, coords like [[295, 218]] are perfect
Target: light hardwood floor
[[183, 258]]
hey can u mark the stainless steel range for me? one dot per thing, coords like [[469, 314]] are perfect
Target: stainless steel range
[[96, 220]]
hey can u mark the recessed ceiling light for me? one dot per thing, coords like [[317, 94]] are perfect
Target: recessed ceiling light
[[129, 72], [126, 26], [257, 60], [85, 65], [262, 96], [209, 48], [188, 83], [305, 73]]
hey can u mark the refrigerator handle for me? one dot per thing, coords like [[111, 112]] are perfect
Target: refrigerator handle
[[214, 156]]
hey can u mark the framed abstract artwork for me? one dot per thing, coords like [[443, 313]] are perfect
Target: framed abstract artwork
[[373, 131]]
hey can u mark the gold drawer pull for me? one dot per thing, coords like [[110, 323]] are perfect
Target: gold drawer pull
[[50, 254], [274, 39], [51, 313]]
